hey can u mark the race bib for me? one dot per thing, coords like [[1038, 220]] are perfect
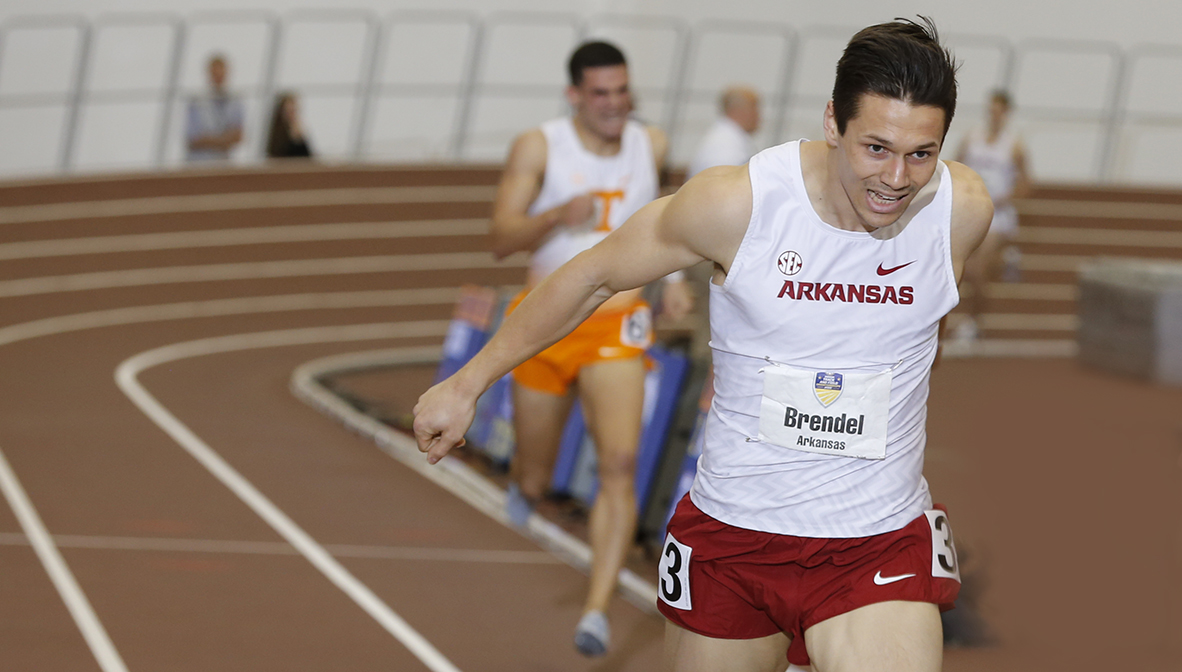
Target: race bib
[[826, 412], [636, 330]]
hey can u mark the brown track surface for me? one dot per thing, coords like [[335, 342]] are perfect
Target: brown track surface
[[1064, 483]]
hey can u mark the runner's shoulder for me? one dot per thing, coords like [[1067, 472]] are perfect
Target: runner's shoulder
[[967, 185], [659, 143], [528, 152], [970, 198], [717, 198]]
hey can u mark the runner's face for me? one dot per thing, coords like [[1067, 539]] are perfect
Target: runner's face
[[888, 152], [217, 74], [602, 102], [998, 111]]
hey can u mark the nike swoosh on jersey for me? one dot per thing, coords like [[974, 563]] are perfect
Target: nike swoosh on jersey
[[880, 580], [888, 271]]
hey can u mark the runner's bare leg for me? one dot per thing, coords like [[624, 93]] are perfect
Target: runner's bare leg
[[538, 420], [884, 637], [687, 651], [983, 266], [612, 393]]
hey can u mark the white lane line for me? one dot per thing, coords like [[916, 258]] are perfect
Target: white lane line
[[256, 270], [228, 546], [450, 473], [126, 377], [51, 326], [189, 310], [1104, 237], [269, 169], [443, 554], [1029, 290], [92, 629], [1052, 262], [159, 205], [1022, 321], [1096, 209], [1011, 348], [178, 240]]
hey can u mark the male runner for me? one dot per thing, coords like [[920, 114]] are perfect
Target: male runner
[[566, 186], [996, 152], [809, 526]]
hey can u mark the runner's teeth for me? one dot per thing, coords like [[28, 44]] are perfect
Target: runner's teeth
[[888, 199]]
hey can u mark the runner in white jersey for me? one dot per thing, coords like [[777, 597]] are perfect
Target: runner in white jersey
[[566, 186], [997, 153], [809, 529]]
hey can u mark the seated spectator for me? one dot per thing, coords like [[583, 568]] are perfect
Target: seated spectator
[[729, 141], [286, 137], [214, 122]]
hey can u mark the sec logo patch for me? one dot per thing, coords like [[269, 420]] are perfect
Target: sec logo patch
[[789, 263]]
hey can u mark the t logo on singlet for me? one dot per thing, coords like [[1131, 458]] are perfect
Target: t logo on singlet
[[605, 208]]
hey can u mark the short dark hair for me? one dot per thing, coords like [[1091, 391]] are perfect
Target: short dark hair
[[903, 60], [592, 55]]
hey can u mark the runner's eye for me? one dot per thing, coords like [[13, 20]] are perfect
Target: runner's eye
[[877, 149]]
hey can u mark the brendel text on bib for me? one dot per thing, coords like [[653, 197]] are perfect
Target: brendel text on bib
[[826, 412]]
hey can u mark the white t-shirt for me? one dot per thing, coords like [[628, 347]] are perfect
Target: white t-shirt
[[725, 144]]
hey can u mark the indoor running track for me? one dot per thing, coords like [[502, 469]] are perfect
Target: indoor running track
[[194, 515]]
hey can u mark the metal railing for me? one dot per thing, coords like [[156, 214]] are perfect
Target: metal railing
[[679, 89]]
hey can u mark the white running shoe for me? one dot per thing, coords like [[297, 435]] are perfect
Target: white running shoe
[[966, 330], [517, 507], [592, 634]]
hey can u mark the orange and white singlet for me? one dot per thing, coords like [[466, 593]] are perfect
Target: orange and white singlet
[[823, 344], [621, 184]]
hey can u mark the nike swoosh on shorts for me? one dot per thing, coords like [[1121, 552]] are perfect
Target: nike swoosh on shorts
[[880, 580]]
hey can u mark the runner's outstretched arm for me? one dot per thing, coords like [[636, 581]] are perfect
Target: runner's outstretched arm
[[706, 219]]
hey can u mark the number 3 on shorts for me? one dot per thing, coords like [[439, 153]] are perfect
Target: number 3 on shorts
[[673, 587], [944, 563]]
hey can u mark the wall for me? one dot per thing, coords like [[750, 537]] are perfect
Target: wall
[[1063, 89]]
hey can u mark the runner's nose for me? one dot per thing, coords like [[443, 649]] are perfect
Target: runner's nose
[[894, 174]]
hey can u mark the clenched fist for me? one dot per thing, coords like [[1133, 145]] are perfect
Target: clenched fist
[[442, 416], [578, 211]]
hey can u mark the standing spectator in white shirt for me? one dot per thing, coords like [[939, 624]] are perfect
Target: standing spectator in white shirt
[[729, 141], [213, 125]]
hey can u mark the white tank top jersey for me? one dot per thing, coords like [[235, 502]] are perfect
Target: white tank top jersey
[[621, 185], [994, 162], [823, 345]]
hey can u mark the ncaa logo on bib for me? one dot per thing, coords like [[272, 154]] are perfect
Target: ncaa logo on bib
[[790, 263], [827, 387]]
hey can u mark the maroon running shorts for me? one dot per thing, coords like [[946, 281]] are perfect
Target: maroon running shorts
[[730, 583]]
